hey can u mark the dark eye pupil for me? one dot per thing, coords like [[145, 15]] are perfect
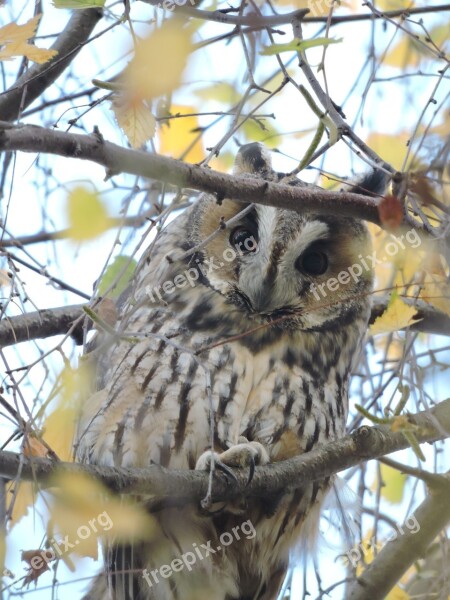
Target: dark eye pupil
[[243, 239], [314, 263]]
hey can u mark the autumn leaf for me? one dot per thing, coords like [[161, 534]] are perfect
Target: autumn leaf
[[390, 211], [398, 315], [409, 52], [24, 498], [159, 61], [84, 510], [179, 137], [37, 564], [436, 291], [391, 148], [14, 38], [135, 119], [222, 92], [34, 447], [319, 8], [394, 484], [58, 429], [86, 214]]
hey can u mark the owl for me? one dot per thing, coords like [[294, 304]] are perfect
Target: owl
[[235, 344]]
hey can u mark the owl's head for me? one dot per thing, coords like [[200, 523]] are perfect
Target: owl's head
[[293, 270]]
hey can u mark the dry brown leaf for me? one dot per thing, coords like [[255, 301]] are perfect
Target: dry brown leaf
[[390, 211]]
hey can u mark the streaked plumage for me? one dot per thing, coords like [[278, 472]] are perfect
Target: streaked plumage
[[283, 385]]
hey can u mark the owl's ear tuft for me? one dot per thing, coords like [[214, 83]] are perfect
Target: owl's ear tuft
[[254, 159], [373, 183]]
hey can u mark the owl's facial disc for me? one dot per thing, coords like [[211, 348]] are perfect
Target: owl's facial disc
[[287, 264]]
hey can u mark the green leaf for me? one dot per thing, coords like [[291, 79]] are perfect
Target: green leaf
[[74, 4], [118, 274], [298, 45]]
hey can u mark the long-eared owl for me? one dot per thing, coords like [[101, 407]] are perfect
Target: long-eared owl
[[230, 322]]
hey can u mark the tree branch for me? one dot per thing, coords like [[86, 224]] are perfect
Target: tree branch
[[39, 77], [398, 555], [364, 444], [39, 324], [57, 321], [30, 138]]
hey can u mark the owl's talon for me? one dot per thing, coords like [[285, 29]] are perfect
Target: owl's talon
[[252, 471], [228, 472], [241, 455]]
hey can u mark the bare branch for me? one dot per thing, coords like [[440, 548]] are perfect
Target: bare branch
[[364, 444], [399, 554], [30, 138], [38, 324], [57, 321], [388, 14], [39, 77]]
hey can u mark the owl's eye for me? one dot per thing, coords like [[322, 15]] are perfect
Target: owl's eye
[[244, 240], [313, 262]]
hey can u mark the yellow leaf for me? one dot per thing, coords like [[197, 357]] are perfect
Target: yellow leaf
[[397, 316], [436, 291], [394, 4], [223, 162], [394, 484], [135, 119], [58, 429], [84, 511], [13, 41], [392, 148], [178, 137], [261, 130], [2, 550], [86, 214], [222, 92], [397, 594], [159, 61], [25, 498], [319, 8], [409, 52]]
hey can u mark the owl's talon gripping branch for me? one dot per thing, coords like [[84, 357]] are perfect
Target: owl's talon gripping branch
[[242, 455]]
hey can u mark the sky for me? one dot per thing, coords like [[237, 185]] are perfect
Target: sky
[[386, 110]]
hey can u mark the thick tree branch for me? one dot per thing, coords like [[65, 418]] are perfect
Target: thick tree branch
[[364, 444], [39, 324], [30, 138], [399, 554], [57, 321], [39, 77]]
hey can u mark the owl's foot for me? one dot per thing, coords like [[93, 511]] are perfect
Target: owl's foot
[[241, 455]]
